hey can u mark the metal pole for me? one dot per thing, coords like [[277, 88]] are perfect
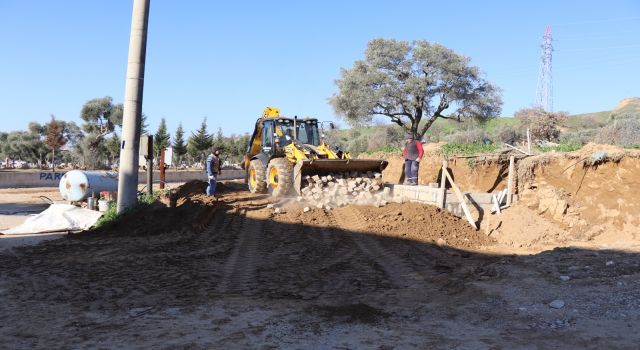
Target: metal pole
[[149, 156], [128, 173]]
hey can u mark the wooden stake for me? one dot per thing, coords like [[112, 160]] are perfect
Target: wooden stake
[[443, 182], [529, 140], [463, 203], [162, 171], [510, 183]]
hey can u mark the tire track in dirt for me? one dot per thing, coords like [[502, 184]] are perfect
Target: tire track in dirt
[[397, 270], [239, 271]]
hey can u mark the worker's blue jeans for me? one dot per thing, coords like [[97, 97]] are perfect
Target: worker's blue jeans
[[211, 189], [411, 171]]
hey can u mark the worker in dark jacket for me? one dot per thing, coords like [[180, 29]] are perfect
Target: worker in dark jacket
[[412, 153], [213, 170]]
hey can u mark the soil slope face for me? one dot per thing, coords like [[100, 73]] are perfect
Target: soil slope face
[[229, 273]]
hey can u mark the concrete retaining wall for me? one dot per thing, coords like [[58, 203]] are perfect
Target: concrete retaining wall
[[17, 179], [480, 203]]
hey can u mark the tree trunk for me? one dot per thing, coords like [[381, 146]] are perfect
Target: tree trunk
[[416, 123], [53, 160]]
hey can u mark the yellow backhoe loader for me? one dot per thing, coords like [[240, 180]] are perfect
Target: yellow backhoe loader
[[282, 151]]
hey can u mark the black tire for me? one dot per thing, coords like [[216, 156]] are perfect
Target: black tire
[[256, 177], [279, 177]]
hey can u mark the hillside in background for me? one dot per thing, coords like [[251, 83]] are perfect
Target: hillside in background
[[620, 126]]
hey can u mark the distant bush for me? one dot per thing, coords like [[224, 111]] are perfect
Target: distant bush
[[436, 133], [397, 149], [467, 149], [628, 132], [589, 122], [542, 124], [395, 135], [507, 133], [377, 139], [579, 137], [562, 147], [623, 132], [357, 146], [470, 136]]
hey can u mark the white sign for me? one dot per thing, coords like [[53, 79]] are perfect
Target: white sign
[[168, 156]]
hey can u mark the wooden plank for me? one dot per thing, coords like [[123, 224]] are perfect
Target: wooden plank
[[518, 149], [501, 196], [510, 183], [442, 193], [496, 204], [463, 203]]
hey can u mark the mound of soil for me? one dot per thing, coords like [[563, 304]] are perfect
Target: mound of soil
[[424, 223], [189, 208]]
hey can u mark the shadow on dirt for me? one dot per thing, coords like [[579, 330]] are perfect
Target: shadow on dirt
[[205, 250]]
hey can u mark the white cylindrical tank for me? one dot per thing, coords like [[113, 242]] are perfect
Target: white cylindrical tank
[[77, 185]]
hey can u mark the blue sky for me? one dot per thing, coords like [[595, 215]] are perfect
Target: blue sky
[[228, 60]]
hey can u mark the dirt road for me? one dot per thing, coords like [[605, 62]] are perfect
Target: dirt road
[[231, 274]]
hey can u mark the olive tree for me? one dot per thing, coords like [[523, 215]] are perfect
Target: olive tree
[[100, 116], [414, 84]]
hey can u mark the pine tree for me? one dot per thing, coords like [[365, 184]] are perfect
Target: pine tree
[[54, 139], [200, 142], [219, 140], [161, 139], [179, 147]]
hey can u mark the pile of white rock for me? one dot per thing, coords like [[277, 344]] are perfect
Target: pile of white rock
[[341, 189]]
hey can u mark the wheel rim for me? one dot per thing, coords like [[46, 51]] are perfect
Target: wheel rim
[[273, 177], [252, 178]]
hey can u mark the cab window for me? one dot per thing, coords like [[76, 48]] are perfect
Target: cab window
[[267, 135]]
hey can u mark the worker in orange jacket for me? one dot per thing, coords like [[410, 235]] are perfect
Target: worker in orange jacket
[[412, 153]]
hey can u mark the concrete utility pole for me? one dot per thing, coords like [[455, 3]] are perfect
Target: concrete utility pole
[[128, 173]]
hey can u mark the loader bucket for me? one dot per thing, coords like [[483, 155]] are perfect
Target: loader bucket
[[327, 166]]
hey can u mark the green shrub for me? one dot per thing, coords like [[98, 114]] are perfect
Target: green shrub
[[562, 147], [144, 200], [467, 149], [108, 216], [470, 136]]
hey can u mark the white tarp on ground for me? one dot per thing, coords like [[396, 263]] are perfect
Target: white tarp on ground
[[58, 217]]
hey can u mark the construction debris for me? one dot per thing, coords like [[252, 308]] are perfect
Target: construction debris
[[340, 189]]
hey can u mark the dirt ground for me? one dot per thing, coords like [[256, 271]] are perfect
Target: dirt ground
[[229, 273]]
